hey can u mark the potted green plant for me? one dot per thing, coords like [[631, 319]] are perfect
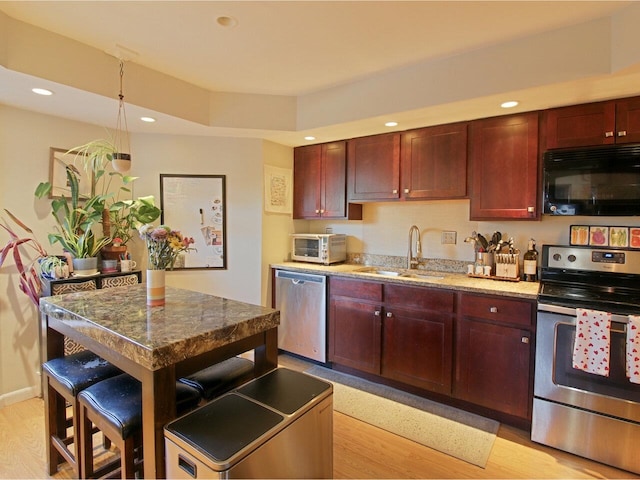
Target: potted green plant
[[53, 267], [74, 222], [120, 218]]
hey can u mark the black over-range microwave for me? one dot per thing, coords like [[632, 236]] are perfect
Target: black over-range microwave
[[596, 181]]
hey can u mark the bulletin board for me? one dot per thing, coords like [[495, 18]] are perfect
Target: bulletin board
[[195, 205]]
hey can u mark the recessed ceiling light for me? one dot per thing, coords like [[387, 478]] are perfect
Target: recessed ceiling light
[[509, 104], [42, 91], [309, 137], [391, 124], [227, 21], [148, 119]]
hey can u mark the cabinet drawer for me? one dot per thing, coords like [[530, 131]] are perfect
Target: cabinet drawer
[[419, 297], [356, 289], [497, 309]]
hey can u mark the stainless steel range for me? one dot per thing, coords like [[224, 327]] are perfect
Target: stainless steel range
[[593, 416]]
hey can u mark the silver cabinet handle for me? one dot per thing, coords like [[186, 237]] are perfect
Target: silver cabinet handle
[[406, 190], [389, 314], [394, 191], [608, 134], [322, 211], [317, 211], [524, 339], [531, 209], [493, 309], [622, 133], [377, 313]]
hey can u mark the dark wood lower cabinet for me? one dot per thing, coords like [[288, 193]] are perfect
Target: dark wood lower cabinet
[[355, 334], [492, 366], [470, 350], [417, 348]]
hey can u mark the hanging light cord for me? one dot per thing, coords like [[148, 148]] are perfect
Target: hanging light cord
[[122, 144]]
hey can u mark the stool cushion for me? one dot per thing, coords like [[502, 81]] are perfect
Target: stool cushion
[[119, 400], [187, 398], [221, 377], [80, 370]]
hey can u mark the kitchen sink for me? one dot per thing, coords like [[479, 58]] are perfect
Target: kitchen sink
[[425, 276], [378, 271], [401, 273]]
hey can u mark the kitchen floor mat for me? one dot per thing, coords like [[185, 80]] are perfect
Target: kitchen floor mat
[[461, 434]]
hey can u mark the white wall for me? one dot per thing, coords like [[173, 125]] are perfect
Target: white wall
[[25, 138], [240, 160]]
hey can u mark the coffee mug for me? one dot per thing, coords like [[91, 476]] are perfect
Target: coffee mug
[[127, 265]]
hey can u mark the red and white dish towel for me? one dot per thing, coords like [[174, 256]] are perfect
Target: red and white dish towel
[[633, 348], [593, 340]]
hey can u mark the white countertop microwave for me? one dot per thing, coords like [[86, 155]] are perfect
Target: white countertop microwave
[[319, 248]]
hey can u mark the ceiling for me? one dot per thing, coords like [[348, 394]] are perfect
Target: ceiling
[[288, 48]]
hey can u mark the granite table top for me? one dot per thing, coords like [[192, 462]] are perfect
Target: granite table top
[[188, 324]]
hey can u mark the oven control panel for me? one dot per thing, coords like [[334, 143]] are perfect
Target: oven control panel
[[591, 259]]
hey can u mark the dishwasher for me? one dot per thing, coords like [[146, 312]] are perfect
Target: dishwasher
[[302, 300]]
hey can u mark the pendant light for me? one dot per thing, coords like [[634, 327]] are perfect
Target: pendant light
[[122, 157]]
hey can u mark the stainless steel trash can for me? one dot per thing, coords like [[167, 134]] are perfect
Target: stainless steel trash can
[[277, 426]]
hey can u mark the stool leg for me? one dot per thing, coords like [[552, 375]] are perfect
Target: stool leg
[[55, 424], [85, 443], [127, 457]]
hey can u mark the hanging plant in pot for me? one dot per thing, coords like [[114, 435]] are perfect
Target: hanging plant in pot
[[74, 222]]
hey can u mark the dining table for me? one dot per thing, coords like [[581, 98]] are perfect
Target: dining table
[[158, 345]]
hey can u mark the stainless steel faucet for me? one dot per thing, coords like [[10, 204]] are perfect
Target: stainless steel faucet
[[413, 262]]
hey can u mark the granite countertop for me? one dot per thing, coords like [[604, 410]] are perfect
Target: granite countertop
[[444, 280], [188, 324]]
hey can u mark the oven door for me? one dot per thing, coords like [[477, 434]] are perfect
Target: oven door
[[558, 381]]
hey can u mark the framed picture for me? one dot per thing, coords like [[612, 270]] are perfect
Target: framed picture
[[599, 236], [195, 205], [59, 160], [579, 235], [278, 189], [618, 236]]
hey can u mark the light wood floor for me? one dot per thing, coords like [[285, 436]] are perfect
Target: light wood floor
[[360, 451]]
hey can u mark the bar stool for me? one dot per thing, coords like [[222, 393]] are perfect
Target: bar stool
[[115, 407], [221, 377], [64, 378]]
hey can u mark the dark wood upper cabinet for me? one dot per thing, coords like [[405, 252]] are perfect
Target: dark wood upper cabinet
[[628, 120], [600, 123], [504, 167], [374, 167], [434, 162], [319, 182]]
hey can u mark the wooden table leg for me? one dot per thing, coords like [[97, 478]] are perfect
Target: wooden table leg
[[266, 356], [158, 408]]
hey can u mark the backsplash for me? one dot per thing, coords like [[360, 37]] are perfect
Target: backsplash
[[392, 261]]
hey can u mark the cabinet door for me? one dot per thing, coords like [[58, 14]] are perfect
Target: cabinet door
[[355, 329], [374, 167], [307, 176], [581, 125], [434, 162], [334, 180], [628, 120], [417, 348], [492, 366], [504, 156]]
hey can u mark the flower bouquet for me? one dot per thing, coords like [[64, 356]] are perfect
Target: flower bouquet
[[164, 245]]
